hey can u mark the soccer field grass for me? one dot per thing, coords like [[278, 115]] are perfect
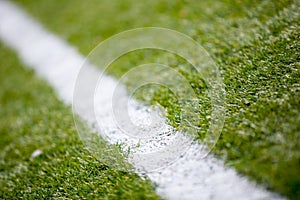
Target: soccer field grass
[[33, 118], [256, 45]]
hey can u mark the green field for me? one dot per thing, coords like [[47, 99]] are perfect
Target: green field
[[257, 47], [33, 118]]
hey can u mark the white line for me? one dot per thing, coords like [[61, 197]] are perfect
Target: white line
[[190, 177]]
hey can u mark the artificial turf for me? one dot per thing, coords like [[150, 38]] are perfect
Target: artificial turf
[[256, 45], [32, 118]]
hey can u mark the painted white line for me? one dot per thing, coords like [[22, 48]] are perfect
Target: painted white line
[[190, 177]]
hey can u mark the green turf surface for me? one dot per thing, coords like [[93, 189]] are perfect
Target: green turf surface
[[31, 118], [255, 43]]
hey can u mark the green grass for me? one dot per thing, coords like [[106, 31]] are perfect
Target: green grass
[[256, 45], [31, 117]]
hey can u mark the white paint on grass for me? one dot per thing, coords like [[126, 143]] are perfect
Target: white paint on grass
[[190, 177], [36, 153]]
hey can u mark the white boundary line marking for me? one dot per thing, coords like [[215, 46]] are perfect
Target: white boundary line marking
[[54, 60]]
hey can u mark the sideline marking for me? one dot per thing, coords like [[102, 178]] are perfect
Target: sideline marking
[[53, 59]]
